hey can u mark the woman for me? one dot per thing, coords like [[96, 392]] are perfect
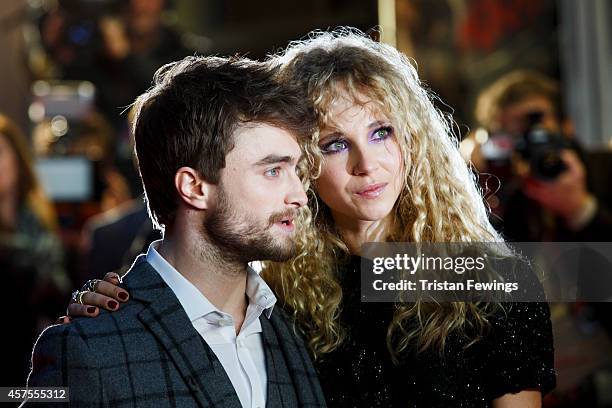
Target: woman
[[386, 168], [27, 219], [30, 253]]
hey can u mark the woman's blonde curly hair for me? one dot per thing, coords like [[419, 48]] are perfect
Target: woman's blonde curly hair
[[440, 201]]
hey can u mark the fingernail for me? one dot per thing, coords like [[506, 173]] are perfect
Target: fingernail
[[112, 304], [123, 295], [91, 310]]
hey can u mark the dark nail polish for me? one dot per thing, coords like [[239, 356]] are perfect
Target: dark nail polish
[[112, 304], [91, 310], [123, 295]]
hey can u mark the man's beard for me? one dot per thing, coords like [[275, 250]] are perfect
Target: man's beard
[[246, 240]]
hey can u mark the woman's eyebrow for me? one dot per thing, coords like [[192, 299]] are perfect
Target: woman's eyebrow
[[330, 136], [378, 123]]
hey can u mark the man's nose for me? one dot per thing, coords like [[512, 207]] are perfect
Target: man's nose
[[296, 195]]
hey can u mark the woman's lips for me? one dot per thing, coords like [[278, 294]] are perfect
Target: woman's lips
[[372, 190]]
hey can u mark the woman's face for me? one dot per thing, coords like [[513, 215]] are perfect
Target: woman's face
[[8, 167], [361, 171]]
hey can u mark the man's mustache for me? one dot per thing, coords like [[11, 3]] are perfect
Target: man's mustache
[[282, 215]]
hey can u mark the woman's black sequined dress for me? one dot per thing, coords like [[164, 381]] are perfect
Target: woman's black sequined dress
[[516, 355]]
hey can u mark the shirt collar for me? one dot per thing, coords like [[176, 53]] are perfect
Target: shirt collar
[[196, 305]]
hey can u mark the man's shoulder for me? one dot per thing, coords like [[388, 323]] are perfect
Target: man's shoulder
[[109, 327], [59, 354], [87, 345], [56, 334], [142, 276], [107, 322], [95, 334], [124, 327]]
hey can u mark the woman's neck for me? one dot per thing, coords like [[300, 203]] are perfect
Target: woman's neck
[[355, 233]]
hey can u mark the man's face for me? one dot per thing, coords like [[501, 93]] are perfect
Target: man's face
[[258, 196], [513, 119]]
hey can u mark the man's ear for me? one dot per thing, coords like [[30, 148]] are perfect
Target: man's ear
[[192, 188]]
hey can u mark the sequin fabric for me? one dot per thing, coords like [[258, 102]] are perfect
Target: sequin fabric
[[516, 354]]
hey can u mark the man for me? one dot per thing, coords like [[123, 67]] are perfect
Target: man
[[114, 238], [217, 152], [558, 208], [561, 208]]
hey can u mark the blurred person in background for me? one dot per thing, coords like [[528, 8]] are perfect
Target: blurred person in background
[[544, 193], [31, 257], [135, 45], [116, 45], [111, 240]]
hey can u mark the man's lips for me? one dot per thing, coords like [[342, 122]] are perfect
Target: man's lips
[[286, 224], [371, 190], [284, 221]]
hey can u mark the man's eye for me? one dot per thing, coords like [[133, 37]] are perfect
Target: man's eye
[[334, 146], [274, 172]]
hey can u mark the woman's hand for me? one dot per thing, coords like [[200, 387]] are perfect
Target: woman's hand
[[96, 294]]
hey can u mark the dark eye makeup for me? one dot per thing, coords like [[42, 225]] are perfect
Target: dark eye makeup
[[338, 143]]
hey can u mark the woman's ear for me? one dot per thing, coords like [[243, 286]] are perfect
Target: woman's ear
[[192, 188]]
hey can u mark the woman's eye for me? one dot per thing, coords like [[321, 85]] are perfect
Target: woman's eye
[[334, 147], [382, 133], [274, 172]]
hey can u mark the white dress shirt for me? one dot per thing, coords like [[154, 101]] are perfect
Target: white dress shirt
[[242, 356]]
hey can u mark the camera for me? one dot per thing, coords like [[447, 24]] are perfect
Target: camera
[[537, 145], [541, 148]]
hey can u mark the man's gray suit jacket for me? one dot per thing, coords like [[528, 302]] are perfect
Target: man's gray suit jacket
[[148, 354]]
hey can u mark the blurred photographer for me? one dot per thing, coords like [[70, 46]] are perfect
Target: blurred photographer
[[539, 190], [544, 193], [117, 45]]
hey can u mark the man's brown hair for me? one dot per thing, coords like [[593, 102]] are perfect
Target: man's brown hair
[[512, 88], [189, 116]]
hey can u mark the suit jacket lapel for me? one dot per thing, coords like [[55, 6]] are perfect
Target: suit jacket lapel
[[292, 380], [275, 362], [167, 320]]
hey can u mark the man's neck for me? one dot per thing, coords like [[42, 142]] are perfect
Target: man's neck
[[222, 281]]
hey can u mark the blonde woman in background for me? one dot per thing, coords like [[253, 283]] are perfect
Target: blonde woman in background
[[384, 167], [31, 256], [27, 217]]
